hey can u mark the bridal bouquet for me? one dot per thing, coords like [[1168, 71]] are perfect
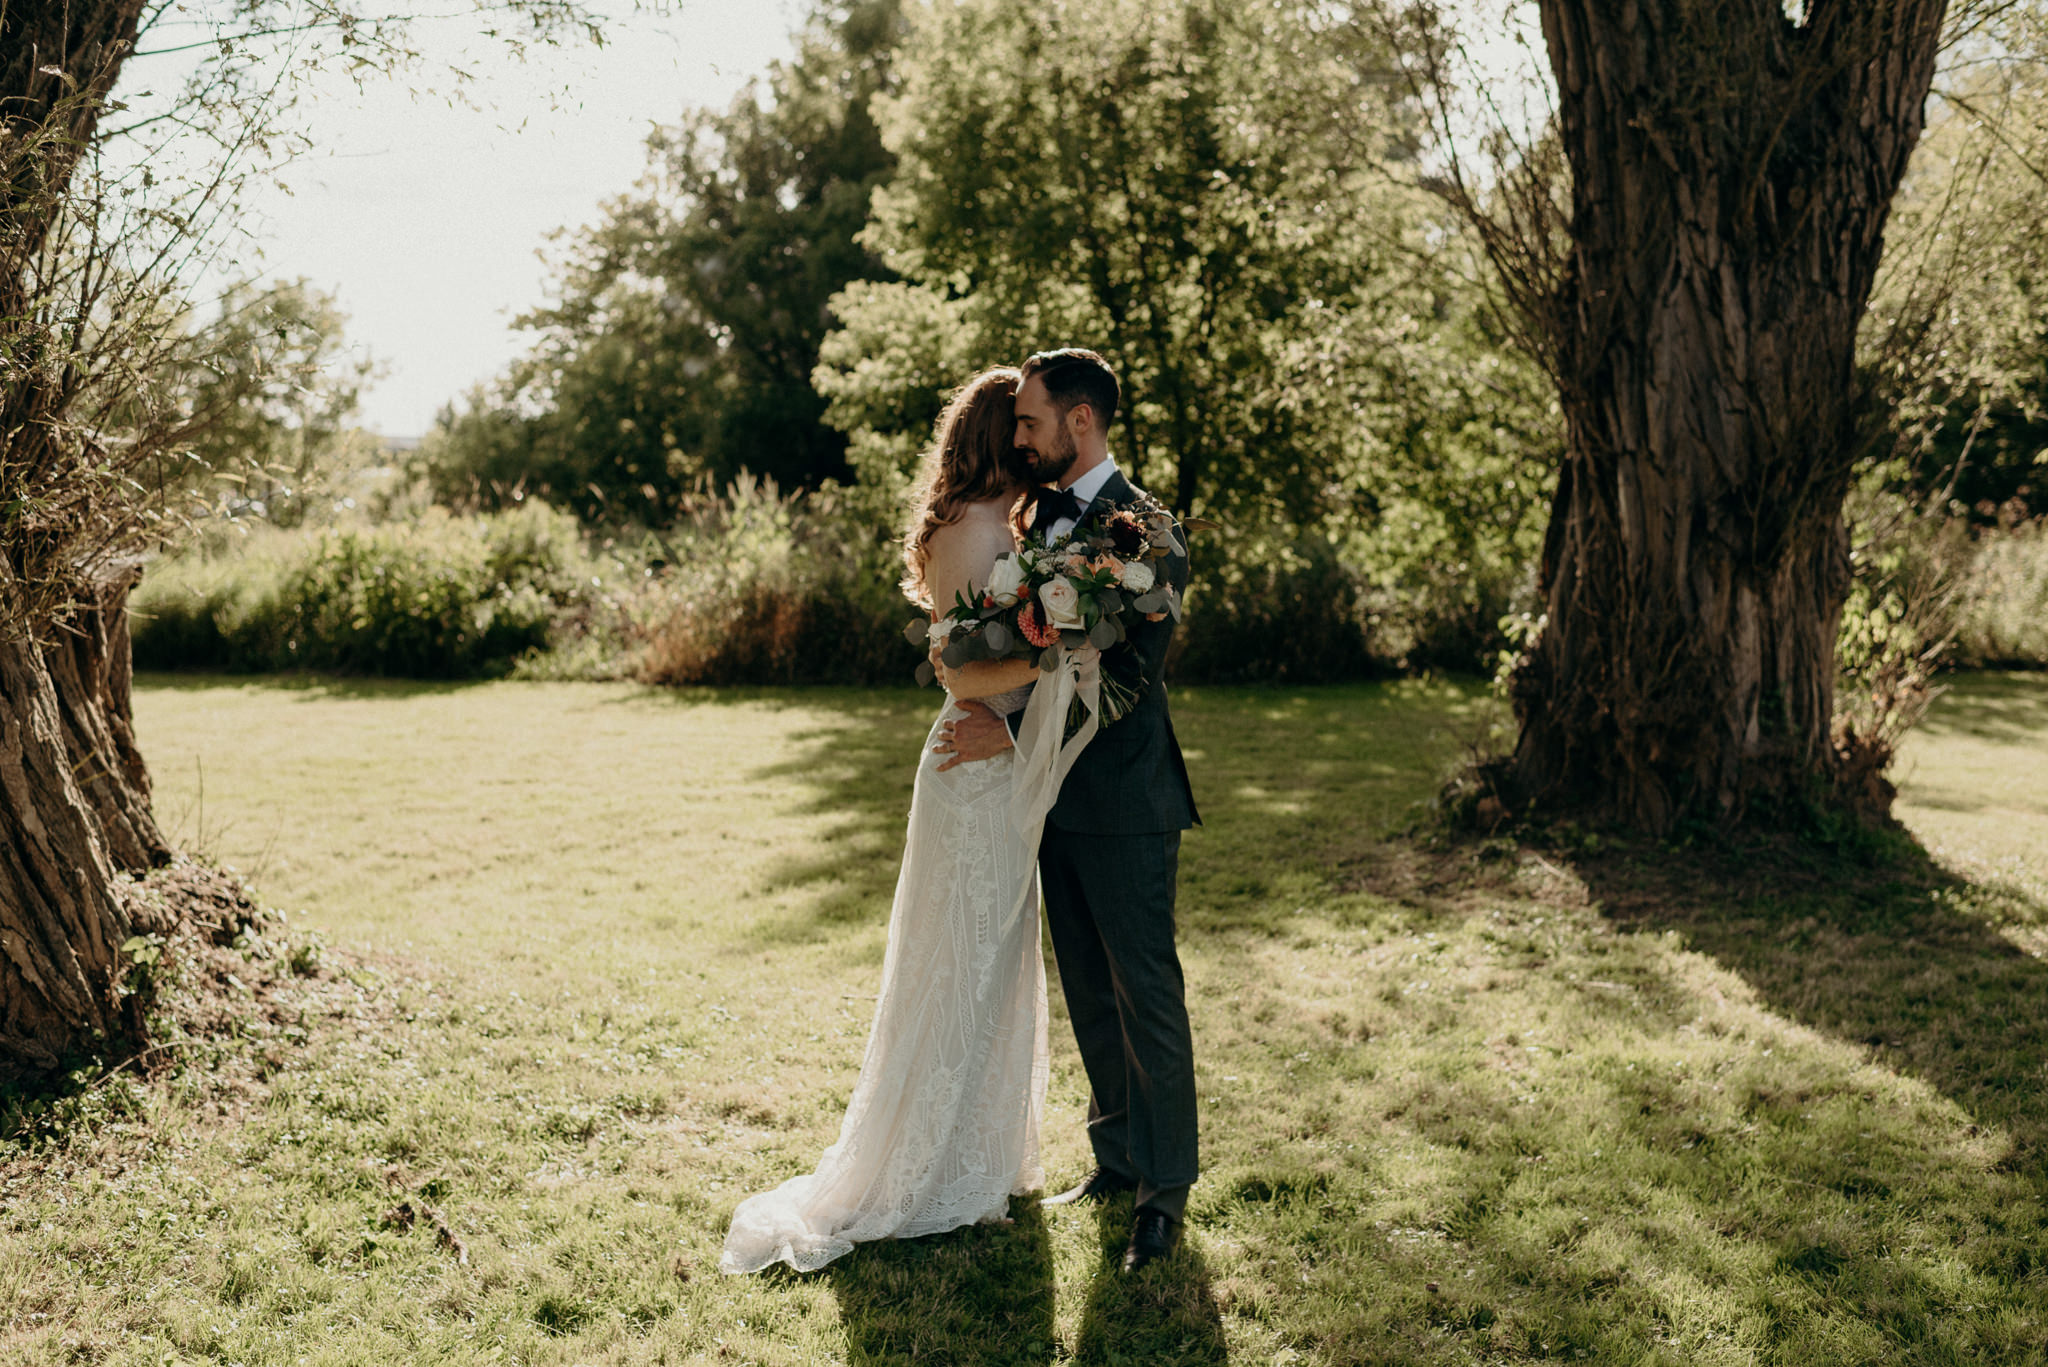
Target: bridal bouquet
[[1070, 594]]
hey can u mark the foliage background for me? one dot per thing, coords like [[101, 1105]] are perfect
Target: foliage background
[[745, 355]]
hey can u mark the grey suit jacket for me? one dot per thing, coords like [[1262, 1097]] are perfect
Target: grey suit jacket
[[1131, 779]]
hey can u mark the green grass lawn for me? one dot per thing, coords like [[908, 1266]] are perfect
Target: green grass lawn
[[610, 956]]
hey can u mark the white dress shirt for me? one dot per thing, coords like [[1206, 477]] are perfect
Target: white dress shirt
[[1084, 489]]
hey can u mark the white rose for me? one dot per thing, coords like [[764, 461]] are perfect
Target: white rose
[[1062, 603], [1137, 576], [1006, 581]]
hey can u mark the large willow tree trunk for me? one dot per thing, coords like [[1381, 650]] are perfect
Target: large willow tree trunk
[[74, 798], [91, 668], [1732, 170], [62, 917]]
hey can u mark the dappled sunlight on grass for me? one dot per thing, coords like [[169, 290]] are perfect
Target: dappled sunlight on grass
[[1503, 1123], [1972, 780], [616, 955]]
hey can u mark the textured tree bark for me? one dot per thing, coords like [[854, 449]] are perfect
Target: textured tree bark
[[1732, 173], [74, 796], [61, 920], [92, 670]]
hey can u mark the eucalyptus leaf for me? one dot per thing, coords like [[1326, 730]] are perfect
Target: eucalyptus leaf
[[1109, 600], [1103, 636], [925, 673], [1048, 659], [997, 637], [918, 632], [1154, 601], [1073, 640], [955, 654]]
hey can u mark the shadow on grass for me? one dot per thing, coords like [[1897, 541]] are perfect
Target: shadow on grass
[[858, 771], [2004, 708], [1911, 962], [1290, 782], [981, 1296], [1164, 1316], [1673, 1169]]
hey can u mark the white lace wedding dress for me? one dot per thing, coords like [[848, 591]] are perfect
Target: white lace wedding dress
[[942, 1128]]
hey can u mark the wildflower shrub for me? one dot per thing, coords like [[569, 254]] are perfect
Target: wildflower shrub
[[751, 587], [766, 588], [436, 597]]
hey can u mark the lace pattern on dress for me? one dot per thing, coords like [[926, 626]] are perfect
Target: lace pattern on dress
[[942, 1128], [1003, 704]]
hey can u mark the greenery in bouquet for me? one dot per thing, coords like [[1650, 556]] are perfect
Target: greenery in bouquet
[[1067, 594]]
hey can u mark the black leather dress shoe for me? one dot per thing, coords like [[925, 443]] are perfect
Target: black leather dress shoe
[[1154, 1234], [1100, 1185]]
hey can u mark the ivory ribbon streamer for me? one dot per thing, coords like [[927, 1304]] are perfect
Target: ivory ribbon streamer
[[1042, 761]]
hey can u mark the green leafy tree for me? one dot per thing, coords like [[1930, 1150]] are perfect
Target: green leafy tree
[[1210, 195], [1691, 250], [272, 390], [1957, 345], [686, 323], [103, 229], [1140, 177]]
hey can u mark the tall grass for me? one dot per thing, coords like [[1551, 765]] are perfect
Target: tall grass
[[753, 587]]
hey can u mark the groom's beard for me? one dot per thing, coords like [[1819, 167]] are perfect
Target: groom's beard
[[1047, 467]]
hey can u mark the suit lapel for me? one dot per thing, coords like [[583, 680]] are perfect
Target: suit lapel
[[1115, 492]]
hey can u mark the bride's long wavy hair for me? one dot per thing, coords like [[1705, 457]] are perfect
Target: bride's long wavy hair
[[969, 462]]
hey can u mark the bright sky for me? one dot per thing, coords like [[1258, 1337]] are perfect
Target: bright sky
[[425, 217]]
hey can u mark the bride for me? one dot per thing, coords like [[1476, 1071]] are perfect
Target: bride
[[942, 1128]]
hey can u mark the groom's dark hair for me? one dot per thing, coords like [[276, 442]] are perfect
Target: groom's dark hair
[[1075, 375]]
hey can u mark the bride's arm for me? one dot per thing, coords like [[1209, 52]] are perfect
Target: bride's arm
[[986, 678]]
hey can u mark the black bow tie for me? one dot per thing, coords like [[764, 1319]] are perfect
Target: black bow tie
[[1054, 504]]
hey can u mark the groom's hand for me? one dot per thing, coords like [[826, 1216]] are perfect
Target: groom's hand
[[981, 734]]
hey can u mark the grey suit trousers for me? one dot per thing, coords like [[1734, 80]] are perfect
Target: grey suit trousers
[[1109, 906]]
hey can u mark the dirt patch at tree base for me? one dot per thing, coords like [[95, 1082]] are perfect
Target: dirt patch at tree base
[[220, 986]]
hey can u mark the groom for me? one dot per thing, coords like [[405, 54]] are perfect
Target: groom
[[1110, 853]]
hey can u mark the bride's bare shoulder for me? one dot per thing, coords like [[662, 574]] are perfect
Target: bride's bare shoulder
[[977, 522], [959, 554], [993, 509]]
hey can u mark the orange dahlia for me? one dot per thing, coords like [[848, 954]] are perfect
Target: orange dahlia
[[1034, 630]]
